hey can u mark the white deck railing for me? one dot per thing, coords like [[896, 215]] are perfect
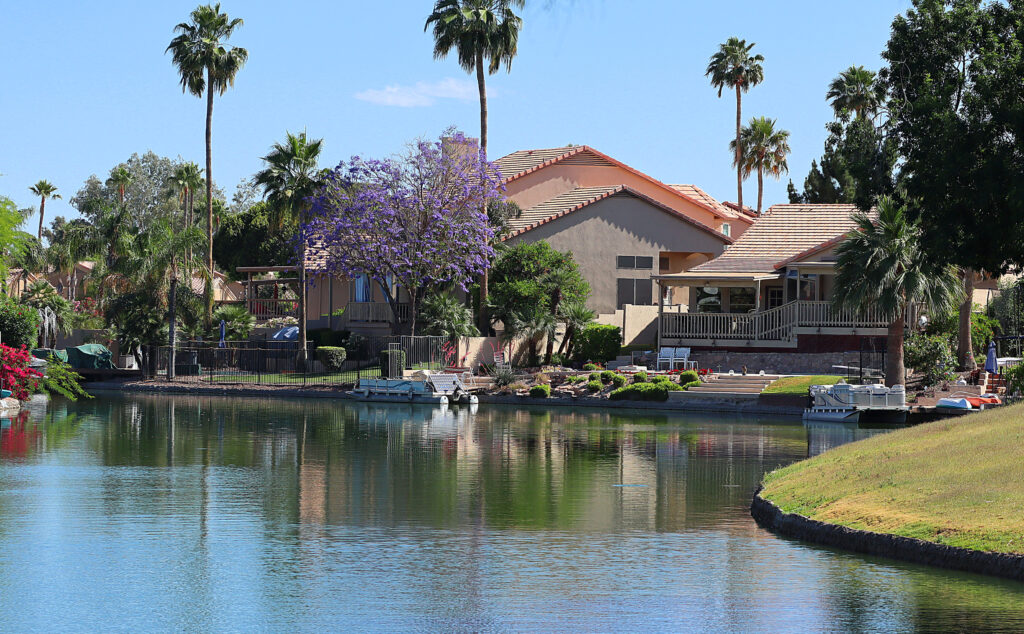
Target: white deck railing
[[775, 324]]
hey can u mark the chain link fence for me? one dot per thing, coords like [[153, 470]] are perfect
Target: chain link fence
[[277, 362]]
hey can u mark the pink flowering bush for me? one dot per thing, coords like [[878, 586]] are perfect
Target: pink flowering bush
[[15, 374]]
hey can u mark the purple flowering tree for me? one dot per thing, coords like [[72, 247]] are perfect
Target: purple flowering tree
[[415, 222]]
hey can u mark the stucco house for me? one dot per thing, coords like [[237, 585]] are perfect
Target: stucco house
[[771, 289], [621, 225]]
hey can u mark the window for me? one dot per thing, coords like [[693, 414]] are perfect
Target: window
[[637, 292], [642, 262], [663, 264], [774, 297], [741, 300], [726, 229], [709, 300], [360, 288]]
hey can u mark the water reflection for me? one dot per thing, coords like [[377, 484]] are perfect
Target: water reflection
[[216, 513]]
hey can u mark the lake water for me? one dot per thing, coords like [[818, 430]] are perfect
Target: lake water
[[204, 513]]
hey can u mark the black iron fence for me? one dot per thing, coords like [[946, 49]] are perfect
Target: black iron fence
[[278, 363]]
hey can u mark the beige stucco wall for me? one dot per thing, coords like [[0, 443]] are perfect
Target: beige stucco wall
[[545, 184], [619, 225]]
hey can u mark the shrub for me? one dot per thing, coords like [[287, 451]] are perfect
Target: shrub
[[595, 376], [594, 386], [332, 357], [61, 379], [504, 377], [661, 379], [540, 391], [589, 367], [15, 375], [640, 377], [558, 359], [618, 380], [687, 386], [355, 346], [598, 342], [19, 324], [689, 376], [607, 376], [238, 322], [542, 378], [930, 355], [1015, 379], [389, 358]]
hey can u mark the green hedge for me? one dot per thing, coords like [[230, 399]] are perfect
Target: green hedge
[[618, 380], [595, 386], [645, 392], [589, 367], [688, 376], [687, 386], [332, 357], [540, 391], [595, 376], [640, 377], [607, 376], [598, 342], [19, 324], [385, 363]]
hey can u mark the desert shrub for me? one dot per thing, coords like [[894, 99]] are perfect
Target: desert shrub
[[332, 357], [515, 387], [542, 378], [540, 391], [598, 342], [59, 378], [238, 322], [618, 380], [558, 359], [594, 386], [689, 376], [607, 376], [589, 367], [931, 356], [386, 359], [19, 324], [661, 378], [504, 377], [595, 376], [640, 377], [687, 386], [644, 392]]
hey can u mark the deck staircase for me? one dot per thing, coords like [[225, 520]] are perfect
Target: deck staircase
[[732, 386]]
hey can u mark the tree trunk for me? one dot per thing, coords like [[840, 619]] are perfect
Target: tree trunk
[[171, 323], [563, 347], [549, 349], [482, 317], [412, 314], [895, 373], [209, 195], [303, 360], [42, 211], [760, 188], [965, 345], [739, 150]]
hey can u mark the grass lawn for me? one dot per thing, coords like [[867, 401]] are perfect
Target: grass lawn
[[958, 482], [799, 384]]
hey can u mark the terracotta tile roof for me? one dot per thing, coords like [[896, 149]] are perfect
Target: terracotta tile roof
[[746, 211], [518, 163], [696, 193], [782, 234], [581, 197]]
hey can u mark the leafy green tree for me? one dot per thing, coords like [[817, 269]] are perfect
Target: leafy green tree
[[956, 107], [249, 239], [764, 149], [207, 65], [445, 315], [882, 265], [856, 90], [43, 189], [45, 299], [733, 67], [289, 179]]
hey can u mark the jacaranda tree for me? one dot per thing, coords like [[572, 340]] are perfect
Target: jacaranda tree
[[412, 223]]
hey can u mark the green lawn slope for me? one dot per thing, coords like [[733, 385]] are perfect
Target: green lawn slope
[[799, 384], [958, 482]]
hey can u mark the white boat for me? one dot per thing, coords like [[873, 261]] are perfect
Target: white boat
[[849, 403], [437, 389]]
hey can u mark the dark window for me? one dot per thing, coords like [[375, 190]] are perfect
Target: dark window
[[625, 262], [645, 262], [637, 292], [663, 264], [774, 297]]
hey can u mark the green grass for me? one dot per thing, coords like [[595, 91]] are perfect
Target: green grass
[[958, 482], [799, 384], [280, 378]]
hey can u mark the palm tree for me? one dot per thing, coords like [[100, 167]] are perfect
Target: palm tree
[[576, 316], [290, 177], [186, 179], [43, 189], [855, 90], [120, 178], [734, 67], [478, 30], [445, 315], [881, 265], [205, 64], [764, 149], [556, 280]]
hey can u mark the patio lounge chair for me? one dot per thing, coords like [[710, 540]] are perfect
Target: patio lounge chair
[[666, 356]]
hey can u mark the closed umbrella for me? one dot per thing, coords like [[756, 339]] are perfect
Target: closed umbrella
[[991, 365], [223, 332]]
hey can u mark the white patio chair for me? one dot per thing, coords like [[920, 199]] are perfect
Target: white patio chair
[[682, 357], [666, 356], [500, 362]]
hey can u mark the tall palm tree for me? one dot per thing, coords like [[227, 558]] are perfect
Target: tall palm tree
[[120, 178], [764, 149], [855, 90], [478, 30], [881, 265], [44, 189], [186, 179], [207, 65], [290, 177], [732, 66]]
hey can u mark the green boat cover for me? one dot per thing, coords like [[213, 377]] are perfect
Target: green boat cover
[[90, 356], [46, 353]]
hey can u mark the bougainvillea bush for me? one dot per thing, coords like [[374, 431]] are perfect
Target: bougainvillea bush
[[15, 374]]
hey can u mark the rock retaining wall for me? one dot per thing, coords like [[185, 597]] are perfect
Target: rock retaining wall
[[777, 362], [770, 516]]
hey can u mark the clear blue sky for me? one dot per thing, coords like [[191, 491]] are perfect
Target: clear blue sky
[[84, 85]]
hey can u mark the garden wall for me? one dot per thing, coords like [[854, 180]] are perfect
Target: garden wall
[[777, 362]]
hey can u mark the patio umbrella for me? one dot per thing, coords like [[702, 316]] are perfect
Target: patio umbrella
[[991, 365], [223, 332]]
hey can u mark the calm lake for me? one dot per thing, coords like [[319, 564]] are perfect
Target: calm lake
[[147, 513]]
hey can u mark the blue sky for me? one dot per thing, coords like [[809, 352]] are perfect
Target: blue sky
[[84, 85]]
